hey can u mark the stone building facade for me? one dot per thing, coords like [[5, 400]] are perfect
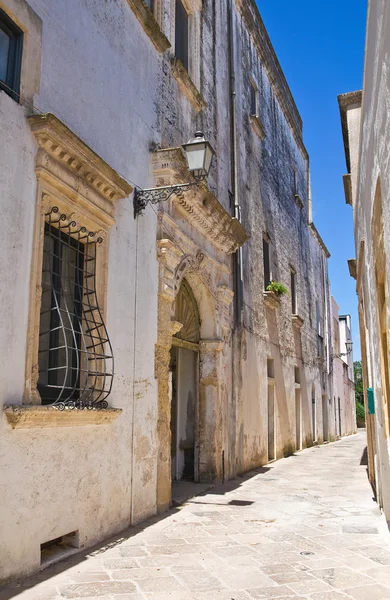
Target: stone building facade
[[213, 374], [365, 127]]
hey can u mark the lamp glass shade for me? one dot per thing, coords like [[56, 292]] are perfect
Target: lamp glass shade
[[199, 154]]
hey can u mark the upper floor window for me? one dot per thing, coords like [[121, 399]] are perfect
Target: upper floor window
[[293, 291], [266, 263], [253, 99], [11, 42], [181, 33]]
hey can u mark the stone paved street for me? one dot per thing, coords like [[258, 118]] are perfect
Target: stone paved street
[[304, 527]]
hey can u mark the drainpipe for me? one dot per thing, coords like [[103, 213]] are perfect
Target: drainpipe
[[236, 258], [236, 209]]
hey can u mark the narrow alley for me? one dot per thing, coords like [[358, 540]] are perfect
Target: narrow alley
[[303, 527]]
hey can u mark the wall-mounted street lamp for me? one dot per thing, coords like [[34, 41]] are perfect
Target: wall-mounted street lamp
[[199, 154]]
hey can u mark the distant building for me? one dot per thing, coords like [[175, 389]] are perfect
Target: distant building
[[343, 381], [365, 122]]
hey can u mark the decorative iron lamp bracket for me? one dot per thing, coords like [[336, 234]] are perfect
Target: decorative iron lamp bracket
[[159, 194], [199, 155]]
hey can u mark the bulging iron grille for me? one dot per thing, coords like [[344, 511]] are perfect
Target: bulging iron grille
[[76, 363]]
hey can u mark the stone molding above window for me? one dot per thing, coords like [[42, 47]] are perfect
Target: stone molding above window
[[150, 24], [186, 85], [257, 126], [73, 178], [21, 13]]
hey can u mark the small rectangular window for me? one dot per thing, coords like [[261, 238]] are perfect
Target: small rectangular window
[[293, 292], [181, 33], [295, 175], [270, 368], [266, 264], [11, 42], [253, 92]]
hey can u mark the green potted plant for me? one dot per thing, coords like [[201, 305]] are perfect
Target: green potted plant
[[277, 288]]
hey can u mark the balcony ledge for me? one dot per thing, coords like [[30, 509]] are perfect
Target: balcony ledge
[[186, 85], [271, 299], [298, 321], [39, 417]]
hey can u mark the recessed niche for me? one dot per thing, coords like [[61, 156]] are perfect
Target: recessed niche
[[58, 548]]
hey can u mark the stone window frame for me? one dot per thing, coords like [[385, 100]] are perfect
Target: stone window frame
[[21, 13], [11, 82], [254, 117], [188, 80], [151, 20], [73, 178]]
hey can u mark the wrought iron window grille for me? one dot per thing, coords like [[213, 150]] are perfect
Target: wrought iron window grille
[[76, 363]]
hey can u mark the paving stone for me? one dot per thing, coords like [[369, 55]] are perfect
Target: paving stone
[[382, 560], [380, 574], [199, 580], [129, 551], [309, 587], [292, 577], [120, 563], [184, 549], [239, 579], [329, 596], [88, 590], [341, 577], [359, 529], [369, 592], [138, 574], [127, 597], [219, 595], [279, 591], [160, 584], [88, 576]]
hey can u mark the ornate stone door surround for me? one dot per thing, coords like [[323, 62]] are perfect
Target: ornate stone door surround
[[194, 238]]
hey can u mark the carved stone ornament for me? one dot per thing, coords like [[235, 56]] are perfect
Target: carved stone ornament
[[199, 206]]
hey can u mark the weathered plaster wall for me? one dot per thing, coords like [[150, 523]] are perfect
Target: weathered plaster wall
[[93, 79]]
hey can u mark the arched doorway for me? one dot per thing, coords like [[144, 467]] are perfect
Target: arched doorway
[[184, 400]]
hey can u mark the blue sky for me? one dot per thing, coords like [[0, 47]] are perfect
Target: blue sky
[[320, 46]]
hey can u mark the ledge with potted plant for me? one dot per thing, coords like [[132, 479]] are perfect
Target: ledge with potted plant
[[273, 293]]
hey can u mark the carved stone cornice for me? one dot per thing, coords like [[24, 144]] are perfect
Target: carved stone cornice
[[199, 206], [86, 169]]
